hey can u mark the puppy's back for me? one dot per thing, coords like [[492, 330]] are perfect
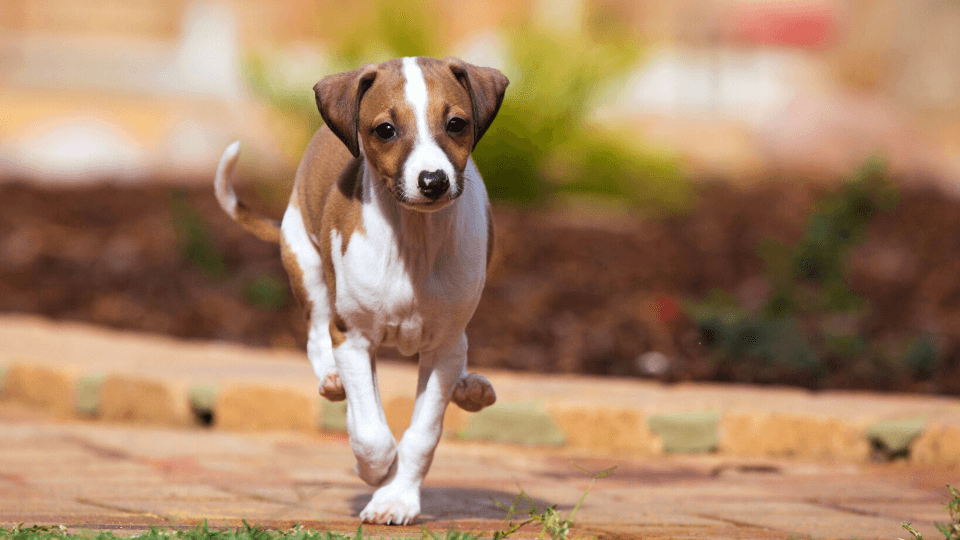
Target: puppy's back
[[323, 162]]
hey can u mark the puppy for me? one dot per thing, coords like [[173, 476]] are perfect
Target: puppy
[[386, 241]]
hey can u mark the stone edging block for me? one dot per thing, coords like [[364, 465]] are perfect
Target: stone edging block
[[513, 422], [937, 445], [333, 415], [606, 428], [687, 432], [45, 388], [247, 407], [893, 437], [203, 401], [146, 401], [88, 394], [792, 435]]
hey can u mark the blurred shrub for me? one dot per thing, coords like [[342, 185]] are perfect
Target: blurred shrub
[[922, 357], [837, 225], [266, 291], [812, 314], [820, 261], [541, 143], [612, 164], [752, 347], [194, 239]]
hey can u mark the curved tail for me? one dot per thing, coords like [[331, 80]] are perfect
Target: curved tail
[[263, 227]]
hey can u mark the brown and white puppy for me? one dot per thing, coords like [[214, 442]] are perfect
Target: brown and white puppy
[[386, 240]]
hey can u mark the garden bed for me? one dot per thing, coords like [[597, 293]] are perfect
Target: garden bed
[[572, 291]]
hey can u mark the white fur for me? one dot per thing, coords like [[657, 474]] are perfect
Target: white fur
[[319, 347], [223, 181], [427, 154]]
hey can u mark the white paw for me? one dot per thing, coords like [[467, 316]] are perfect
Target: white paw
[[473, 393], [332, 389], [392, 506]]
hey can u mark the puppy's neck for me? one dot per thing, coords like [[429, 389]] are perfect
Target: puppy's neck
[[421, 237]]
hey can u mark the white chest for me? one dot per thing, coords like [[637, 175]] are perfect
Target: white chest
[[407, 289]]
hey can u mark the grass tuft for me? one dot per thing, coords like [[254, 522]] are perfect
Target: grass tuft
[[951, 530], [553, 525], [200, 532]]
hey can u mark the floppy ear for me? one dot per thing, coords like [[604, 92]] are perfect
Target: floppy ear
[[338, 98], [486, 87]]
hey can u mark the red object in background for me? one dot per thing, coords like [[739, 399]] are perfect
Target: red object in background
[[786, 24], [667, 308]]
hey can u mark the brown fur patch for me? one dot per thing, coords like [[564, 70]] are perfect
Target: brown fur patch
[[486, 87], [338, 330], [262, 227]]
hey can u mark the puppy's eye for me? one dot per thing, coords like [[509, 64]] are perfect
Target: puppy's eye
[[456, 125], [385, 131]]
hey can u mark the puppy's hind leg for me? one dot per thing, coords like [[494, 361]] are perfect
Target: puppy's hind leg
[[304, 267], [320, 353]]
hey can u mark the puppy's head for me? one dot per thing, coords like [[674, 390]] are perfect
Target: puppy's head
[[416, 120]]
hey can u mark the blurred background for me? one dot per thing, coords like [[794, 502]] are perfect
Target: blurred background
[[759, 191]]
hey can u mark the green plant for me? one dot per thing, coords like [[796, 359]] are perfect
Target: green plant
[[839, 224], [551, 522], [266, 291], [200, 532], [950, 530], [922, 356], [392, 29], [808, 282], [194, 239], [449, 534]]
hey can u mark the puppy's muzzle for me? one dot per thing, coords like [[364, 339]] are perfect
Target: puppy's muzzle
[[433, 184]]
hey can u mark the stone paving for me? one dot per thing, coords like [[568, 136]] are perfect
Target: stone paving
[[102, 476]]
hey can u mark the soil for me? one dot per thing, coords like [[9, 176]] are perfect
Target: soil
[[568, 292]]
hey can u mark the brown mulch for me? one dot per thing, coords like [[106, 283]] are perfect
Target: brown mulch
[[564, 295]]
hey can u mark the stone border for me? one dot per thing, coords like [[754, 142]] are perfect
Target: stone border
[[763, 432]]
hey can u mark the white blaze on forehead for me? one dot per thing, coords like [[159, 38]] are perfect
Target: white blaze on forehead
[[427, 154], [416, 90]]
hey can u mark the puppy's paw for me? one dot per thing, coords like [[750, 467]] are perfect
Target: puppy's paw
[[473, 393], [392, 506], [332, 389]]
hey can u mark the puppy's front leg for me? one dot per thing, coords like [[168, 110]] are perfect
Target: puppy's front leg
[[398, 501], [370, 438]]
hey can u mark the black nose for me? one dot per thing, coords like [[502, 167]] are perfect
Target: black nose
[[433, 184]]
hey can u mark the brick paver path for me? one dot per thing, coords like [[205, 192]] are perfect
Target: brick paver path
[[101, 476]]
